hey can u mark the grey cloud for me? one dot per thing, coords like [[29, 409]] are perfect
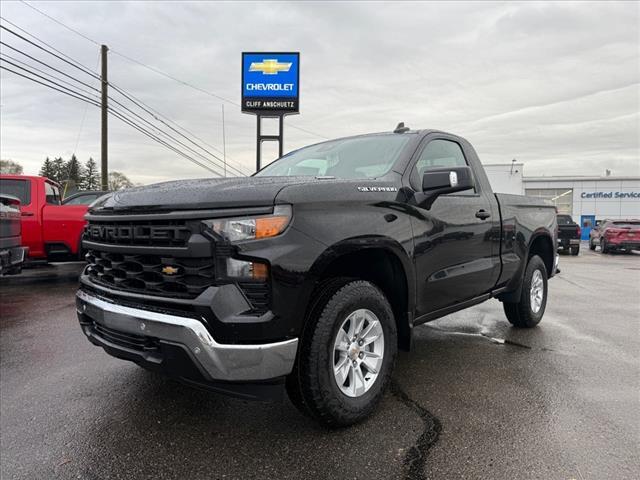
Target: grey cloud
[[553, 84]]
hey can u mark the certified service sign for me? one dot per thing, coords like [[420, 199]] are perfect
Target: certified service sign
[[270, 82]]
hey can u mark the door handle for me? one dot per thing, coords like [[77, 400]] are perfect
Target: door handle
[[26, 214], [482, 214]]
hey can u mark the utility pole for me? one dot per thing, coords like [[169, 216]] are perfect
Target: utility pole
[[104, 169], [224, 145]]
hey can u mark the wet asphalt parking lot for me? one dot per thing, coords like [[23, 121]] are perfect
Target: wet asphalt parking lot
[[476, 398]]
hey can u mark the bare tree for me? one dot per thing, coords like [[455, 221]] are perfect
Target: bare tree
[[119, 181], [10, 167]]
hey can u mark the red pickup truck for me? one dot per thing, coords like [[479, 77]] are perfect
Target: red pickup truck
[[51, 231]]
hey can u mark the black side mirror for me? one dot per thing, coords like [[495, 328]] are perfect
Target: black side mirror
[[439, 181]]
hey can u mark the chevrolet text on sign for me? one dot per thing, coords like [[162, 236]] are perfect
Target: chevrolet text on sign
[[270, 82]]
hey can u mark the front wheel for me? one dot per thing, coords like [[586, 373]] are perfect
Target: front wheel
[[346, 356], [528, 311]]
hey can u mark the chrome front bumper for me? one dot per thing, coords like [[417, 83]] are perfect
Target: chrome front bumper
[[214, 360]]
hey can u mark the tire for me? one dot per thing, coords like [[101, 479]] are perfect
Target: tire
[[592, 246], [313, 387], [603, 246], [525, 313], [575, 251]]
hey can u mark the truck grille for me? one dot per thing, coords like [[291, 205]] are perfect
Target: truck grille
[[151, 274], [170, 233]]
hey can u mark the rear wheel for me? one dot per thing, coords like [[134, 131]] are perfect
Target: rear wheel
[[346, 356], [528, 311], [604, 248], [575, 250], [592, 246]]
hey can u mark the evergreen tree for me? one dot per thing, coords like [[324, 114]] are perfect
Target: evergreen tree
[[91, 179], [74, 170], [59, 171], [47, 169], [72, 176]]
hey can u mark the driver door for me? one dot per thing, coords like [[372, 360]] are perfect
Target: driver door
[[456, 245]]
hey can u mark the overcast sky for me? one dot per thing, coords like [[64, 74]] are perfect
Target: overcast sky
[[554, 85]]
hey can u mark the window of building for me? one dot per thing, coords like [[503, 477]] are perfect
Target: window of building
[[562, 198]]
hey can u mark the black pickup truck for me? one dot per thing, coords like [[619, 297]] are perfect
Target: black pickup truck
[[568, 235], [313, 272], [12, 253]]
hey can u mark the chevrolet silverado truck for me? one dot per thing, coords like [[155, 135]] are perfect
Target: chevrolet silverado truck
[[51, 231], [12, 253], [569, 234], [313, 272]]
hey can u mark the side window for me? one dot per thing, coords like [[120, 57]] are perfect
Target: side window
[[438, 153], [52, 194], [17, 188]]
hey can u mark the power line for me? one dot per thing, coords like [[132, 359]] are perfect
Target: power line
[[119, 115], [79, 91], [72, 63], [59, 22], [163, 132], [49, 86], [159, 140], [237, 170], [156, 112], [156, 70], [129, 96], [45, 64]]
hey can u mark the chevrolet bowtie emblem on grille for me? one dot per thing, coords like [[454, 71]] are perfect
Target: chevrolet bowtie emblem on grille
[[270, 66], [169, 270]]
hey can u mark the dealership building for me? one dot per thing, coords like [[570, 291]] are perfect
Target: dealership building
[[586, 198]]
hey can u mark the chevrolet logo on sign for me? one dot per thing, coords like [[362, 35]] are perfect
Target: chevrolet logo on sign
[[270, 66], [169, 270]]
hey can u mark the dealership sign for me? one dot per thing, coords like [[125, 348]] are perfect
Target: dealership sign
[[270, 83], [619, 195]]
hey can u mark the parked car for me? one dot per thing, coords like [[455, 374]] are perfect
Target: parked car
[[614, 235], [50, 230], [12, 253], [83, 198], [314, 271], [568, 235]]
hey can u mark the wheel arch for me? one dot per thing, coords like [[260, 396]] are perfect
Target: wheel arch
[[541, 244], [381, 261]]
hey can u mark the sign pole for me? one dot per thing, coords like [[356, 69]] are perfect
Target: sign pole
[[258, 143]]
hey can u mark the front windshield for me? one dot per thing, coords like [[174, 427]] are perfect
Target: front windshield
[[368, 156]]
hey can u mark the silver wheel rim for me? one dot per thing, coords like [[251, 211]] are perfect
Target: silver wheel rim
[[358, 351], [537, 291]]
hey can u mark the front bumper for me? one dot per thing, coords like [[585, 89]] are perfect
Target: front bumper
[[127, 328], [12, 258]]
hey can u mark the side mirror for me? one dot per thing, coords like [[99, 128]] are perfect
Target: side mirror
[[442, 180]]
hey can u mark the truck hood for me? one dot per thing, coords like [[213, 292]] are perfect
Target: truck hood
[[198, 194]]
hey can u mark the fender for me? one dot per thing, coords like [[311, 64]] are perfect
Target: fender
[[514, 295], [360, 244]]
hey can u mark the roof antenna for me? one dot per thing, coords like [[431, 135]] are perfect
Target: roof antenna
[[401, 128]]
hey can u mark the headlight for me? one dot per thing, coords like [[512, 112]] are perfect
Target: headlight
[[252, 228]]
